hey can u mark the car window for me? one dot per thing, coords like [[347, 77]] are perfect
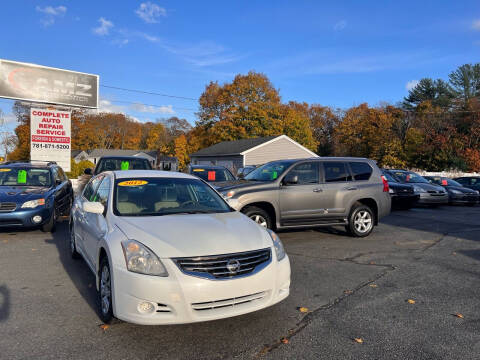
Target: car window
[[89, 191], [361, 170], [122, 164], [17, 176], [390, 178], [336, 172], [101, 194], [307, 173], [165, 196], [209, 174], [270, 171], [61, 174]]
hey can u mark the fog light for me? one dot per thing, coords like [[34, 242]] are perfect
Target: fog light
[[37, 219], [146, 307]]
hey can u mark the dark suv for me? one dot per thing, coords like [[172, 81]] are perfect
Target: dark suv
[[314, 192], [110, 163], [33, 194]]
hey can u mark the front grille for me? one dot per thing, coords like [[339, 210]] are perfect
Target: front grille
[[225, 266], [232, 302], [7, 206], [406, 191], [436, 193], [8, 222]]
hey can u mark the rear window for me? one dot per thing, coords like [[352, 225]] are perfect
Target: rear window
[[213, 174], [361, 170], [122, 164], [336, 172]]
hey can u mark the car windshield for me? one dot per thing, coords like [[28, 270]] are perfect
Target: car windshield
[[165, 196], [451, 182], [410, 177], [210, 175], [270, 171], [24, 177], [390, 177], [122, 164]]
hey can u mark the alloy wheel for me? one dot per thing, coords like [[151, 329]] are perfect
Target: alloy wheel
[[259, 219], [363, 221]]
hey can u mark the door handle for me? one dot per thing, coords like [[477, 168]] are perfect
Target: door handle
[[317, 190], [351, 188]]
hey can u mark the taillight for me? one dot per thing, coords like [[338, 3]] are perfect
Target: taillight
[[386, 188]]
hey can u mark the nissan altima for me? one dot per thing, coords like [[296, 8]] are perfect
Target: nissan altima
[[167, 249]]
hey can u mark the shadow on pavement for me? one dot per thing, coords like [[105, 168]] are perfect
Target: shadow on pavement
[[4, 303], [77, 270]]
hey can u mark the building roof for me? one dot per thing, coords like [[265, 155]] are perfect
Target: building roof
[[233, 147]]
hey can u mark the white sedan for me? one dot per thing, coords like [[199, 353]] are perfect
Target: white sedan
[[167, 249]]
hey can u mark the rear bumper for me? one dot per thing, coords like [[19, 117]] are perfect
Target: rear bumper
[[23, 217], [181, 298], [405, 199], [464, 198]]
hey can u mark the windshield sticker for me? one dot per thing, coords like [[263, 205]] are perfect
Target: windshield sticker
[[5, 170], [125, 165], [444, 182], [198, 170], [22, 177], [211, 176], [274, 175], [133, 183]]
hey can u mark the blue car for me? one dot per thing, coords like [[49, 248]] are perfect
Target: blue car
[[33, 194]]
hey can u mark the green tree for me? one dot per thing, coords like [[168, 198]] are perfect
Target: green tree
[[465, 82], [438, 92]]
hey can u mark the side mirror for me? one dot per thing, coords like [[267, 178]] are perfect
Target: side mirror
[[290, 180], [93, 207], [58, 182], [87, 171]]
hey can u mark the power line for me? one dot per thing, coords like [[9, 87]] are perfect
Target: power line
[[148, 92], [152, 105]]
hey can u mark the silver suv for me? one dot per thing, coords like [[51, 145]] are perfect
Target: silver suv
[[313, 192]]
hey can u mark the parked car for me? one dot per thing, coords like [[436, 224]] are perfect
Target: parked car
[[314, 192], [430, 194], [213, 174], [33, 194], [471, 182], [403, 195], [244, 171], [167, 249], [457, 193], [110, 163]]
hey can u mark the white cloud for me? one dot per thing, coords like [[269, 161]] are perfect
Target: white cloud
[[107, 106], [411, 84], [339, 26], [165, 109], [104, 28], [51, 13], [150, 12], [476, 24]]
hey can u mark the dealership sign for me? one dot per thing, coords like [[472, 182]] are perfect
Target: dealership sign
[[50, 138], [29, 82]]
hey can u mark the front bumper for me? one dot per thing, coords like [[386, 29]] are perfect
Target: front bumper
[[427, 198], [181, 298], [404, 199], [23, 217], [464, 198]]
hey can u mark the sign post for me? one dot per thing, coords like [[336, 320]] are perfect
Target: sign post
[[50, 136]]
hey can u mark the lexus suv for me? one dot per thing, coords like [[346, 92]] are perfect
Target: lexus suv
[[350, 192]]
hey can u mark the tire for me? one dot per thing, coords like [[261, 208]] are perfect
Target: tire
[[105, 292], [258, 215], [50, 225], [73, 246], [360, 221]]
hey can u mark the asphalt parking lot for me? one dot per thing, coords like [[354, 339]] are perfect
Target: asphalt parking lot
[[352, 288]]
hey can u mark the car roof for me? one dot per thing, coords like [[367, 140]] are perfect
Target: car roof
[[207, 167], [28, 165], [122, 157], [123, 174]]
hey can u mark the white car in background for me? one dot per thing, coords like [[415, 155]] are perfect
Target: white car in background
[[167, 249]]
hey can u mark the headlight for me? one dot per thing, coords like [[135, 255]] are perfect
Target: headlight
[[418, 189], [33, 203], [390, 191], [279, 250], [228, 194], [458, 192], [141, 259]]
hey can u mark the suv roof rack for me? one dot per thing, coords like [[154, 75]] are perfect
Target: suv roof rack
[[29, 161]]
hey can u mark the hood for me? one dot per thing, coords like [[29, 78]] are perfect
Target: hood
[[429, 187], [224, 184], [461, 189], [195, 234], [20, 194], [400, 187], [244, 184]]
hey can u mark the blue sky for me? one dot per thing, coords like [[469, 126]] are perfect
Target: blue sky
[[338, 53]]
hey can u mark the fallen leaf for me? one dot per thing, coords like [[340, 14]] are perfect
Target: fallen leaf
[[459, 315], [372, 263], [34, 249], [348, 292], [104, 327], [358, 340], [284, 341], [5, 241], [454, 253], [373, 285], [411, 301], [303, 309]]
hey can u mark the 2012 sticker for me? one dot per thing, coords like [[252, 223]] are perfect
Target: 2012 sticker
[[133, 183]]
